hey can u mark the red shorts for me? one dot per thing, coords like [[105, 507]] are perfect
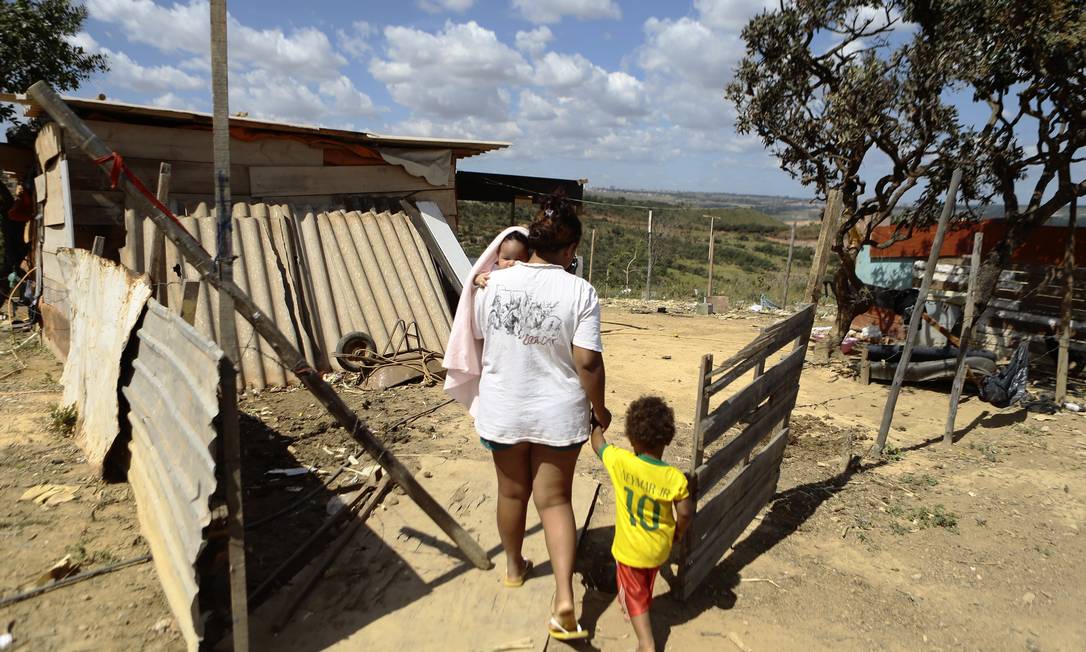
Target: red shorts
[[635, 588]]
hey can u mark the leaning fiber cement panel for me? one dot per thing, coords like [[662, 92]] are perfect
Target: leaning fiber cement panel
[[173, 398]]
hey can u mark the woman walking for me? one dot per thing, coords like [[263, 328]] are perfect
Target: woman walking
[[541, 385]]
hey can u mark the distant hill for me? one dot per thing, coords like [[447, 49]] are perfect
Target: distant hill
[[750, 256], [785, 208]]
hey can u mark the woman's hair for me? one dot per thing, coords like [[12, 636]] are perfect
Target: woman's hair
[[519, 237], [650, 422], [557, 225]]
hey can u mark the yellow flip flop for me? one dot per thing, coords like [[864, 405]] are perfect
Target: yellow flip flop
[[517, 583], [556, 631]]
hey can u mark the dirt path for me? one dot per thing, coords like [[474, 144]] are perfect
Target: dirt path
[[978, 547]]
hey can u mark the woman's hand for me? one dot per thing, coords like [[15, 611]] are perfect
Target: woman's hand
[[601, 417], [481, 280]]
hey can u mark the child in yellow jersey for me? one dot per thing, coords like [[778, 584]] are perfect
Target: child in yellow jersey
[[652, 507]]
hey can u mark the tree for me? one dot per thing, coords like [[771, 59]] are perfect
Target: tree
[[838, 88], [34, 46]]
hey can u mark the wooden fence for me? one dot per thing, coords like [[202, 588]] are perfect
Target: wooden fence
[[758, 411]]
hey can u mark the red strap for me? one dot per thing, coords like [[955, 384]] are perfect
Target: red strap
[[119, 166]]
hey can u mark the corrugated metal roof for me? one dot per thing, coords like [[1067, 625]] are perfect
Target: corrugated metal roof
[[105, 303], [318, 276], [173, 399], [462, 148]]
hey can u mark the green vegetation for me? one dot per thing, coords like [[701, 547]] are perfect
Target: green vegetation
[[935, 517], [62, 419], [919, 480], [750, 252]]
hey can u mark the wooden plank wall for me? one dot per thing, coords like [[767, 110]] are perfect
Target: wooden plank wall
[[272, 171], [1026, 306], [760, 410]]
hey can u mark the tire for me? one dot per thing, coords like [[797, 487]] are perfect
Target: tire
[[355, 344]]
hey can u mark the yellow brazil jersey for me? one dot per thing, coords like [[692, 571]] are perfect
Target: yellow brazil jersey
[[645, 489]]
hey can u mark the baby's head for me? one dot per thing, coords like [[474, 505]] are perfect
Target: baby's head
[[650, 424], [512, 249]]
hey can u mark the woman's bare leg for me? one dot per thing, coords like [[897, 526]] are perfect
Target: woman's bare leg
[[552, 487], [514, 470]]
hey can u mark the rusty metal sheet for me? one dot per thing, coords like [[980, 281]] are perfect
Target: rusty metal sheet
[[174, 400], [105, 302]]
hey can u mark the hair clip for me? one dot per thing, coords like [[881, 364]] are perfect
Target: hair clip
[[549, 212]]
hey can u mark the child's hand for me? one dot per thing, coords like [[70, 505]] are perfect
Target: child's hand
[[480, 280], [601, 418]]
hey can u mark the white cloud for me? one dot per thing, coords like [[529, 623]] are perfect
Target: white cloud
[[125, 72], [730, 15], [306, 52], [552, 11], [356, 41], [174, 101], [463, 70], [441, 6], [533, 42]]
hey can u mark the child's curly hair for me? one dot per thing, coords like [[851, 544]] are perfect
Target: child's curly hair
[[650, 422]]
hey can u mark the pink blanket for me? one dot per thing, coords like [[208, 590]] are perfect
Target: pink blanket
[[464, 353]]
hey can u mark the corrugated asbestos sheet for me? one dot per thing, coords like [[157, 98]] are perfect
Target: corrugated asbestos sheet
[[319, 276], [174, 400], [105, 303]]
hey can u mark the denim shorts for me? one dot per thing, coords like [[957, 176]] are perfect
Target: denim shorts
[[495, 446]]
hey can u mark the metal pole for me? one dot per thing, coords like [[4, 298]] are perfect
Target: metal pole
[[918, 309], [648, 273], [966, 338], [1065, 308], [788, 266], [224, 267], [288, 355], [712, 241]]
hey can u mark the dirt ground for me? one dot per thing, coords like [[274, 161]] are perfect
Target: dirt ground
[[977, 547]]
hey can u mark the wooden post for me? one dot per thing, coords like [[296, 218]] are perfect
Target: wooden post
[[648, 272], [918, 309], [156, 266], [591, 254], [228, 341], [1065, 308], [865, 365], [189, 299], [965, 339], [826, 233], [788, 266], [697, 455], [99, 245], [287, 353], [712, 241]]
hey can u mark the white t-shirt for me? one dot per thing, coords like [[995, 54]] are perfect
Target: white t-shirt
[[529, 317]]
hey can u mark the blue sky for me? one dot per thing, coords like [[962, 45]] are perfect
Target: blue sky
[[623, 93]]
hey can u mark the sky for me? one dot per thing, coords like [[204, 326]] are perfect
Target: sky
[[625, 94]]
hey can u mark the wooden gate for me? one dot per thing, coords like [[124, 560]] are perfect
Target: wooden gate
[[760, 411]]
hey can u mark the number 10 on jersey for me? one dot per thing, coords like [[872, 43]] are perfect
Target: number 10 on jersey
[[642, 503]]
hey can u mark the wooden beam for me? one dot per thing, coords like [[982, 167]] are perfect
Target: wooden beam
[[830, 217], [712, 239], [1065, 308], [964, 340], [156, 266], [228, 342], [915, 318], [591, 255], [788, 266], [289, 356]]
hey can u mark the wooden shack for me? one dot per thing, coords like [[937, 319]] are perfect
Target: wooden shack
[[271, 162]]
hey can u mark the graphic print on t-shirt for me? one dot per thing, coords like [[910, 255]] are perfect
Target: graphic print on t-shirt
[[515, 313]]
